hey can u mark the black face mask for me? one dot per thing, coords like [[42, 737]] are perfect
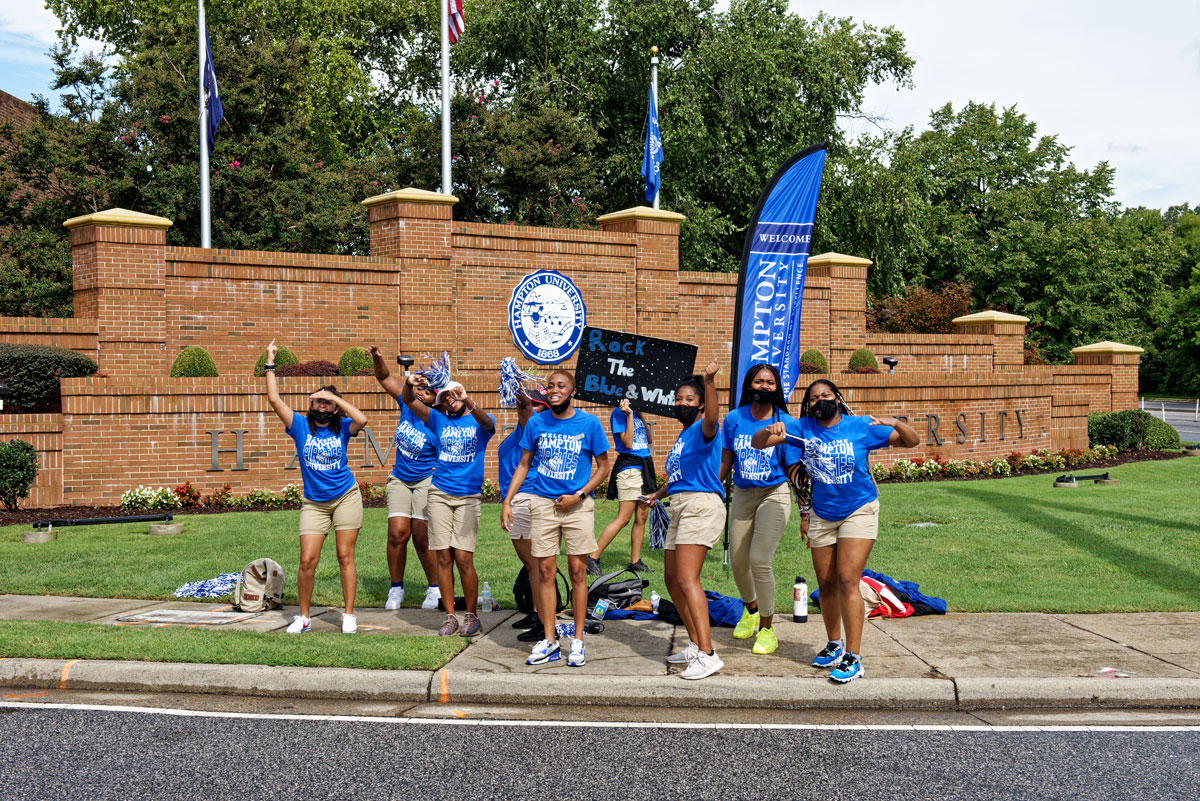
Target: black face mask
[[322, 418], [559, 408], [687, 414], [762, 396], [824, 409]]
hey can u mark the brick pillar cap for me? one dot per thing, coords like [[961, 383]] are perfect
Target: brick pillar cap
[[989, 316], [123, 218], [841, 259], [411, 194], [640, 213], [1107, 347]]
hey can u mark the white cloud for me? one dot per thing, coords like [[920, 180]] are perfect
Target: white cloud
[[29, 20]]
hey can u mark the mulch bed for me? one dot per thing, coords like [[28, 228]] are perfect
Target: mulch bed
[[8, 518]]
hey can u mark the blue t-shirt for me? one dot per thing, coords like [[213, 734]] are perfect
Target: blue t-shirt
[[461, 443], [416, 454], [618, 422], [563, 451], [323, 468], [509, 456], [693, 465], [752, 467], [836, 459]]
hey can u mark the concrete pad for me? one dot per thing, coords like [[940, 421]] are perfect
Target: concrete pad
[[1171, 636], [376, 620], [1018, 645], [1044, 693], [626, 648], [73, 610]]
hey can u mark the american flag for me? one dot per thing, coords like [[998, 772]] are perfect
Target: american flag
[[457, 23]]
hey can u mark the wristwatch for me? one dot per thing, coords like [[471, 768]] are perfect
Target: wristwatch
[[582, 497]]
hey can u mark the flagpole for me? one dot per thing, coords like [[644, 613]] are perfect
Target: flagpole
[[205, 214], [446, 183], [654, 85]]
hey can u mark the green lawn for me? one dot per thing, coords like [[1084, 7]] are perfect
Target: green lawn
[[55, 640], [1012, 544]]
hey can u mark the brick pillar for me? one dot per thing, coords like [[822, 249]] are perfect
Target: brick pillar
[[1007, 332], [1123, 362], [846, 277], [118, 259], [656, 279]]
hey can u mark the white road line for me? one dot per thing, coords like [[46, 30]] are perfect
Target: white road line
[[194, 713]]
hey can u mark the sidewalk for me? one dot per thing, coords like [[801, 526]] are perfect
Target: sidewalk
[[956, 661]]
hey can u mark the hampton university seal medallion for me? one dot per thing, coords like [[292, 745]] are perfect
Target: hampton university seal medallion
[[546, 316]]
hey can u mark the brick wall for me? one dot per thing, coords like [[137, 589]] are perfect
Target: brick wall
[[70, 333], [43, 432], [950, 353]]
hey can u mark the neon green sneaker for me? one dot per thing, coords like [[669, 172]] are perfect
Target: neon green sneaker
[[766, 642], [746, 627]]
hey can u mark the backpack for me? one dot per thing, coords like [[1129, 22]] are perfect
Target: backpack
[[523, 593], [620, 594], [259, 587]]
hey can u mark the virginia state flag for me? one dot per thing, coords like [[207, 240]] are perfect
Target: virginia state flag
[[652, 155], [212, 98], [774, 260]]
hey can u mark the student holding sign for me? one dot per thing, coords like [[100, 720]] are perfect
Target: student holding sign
[[697, 516], [762, 501], [564, 444], [462, 431], [632, 477]]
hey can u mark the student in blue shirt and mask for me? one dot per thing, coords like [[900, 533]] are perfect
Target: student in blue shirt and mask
[[331, 495], [834, 446]]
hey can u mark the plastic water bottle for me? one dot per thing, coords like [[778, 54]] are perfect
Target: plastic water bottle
[[486, 603], [799, 601], [654, 599]]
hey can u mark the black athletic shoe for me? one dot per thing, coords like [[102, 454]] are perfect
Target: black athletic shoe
[[593, 567], [529, 620], [532, 635], [640, 567]]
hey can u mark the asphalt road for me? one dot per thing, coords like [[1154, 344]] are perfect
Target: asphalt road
[[50, 754], [1180, 415]]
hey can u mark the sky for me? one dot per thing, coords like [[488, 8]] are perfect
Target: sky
[[1117, 82]]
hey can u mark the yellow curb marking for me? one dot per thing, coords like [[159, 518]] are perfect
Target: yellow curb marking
[[458, 714], [62, 682], [445, 687], [26, 695]]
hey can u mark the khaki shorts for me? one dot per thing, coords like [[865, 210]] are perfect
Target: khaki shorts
[[522, 517], [551, 527], [629, 484], [408, 500], [862, 524], [340, 514], [697, 518], [453, 521]]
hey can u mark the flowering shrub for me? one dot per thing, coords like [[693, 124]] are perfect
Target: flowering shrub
[[919, 468], [261, 496], [490, 491], [187, 494], [292, 493], [370, 491], [222, 497], [143, 498]]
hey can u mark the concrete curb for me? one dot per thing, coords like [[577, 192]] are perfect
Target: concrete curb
[[1076, 693]]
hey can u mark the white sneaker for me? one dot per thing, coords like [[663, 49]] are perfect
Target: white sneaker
[[299, 624], [395, 598], [685, 656], [576, 657], [432, 596], [703, 665], [349, 624]]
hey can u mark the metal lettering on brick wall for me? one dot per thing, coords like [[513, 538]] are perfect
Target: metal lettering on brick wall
[[216, 451]]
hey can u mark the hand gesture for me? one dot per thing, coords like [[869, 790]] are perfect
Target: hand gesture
[[777, 429], [271, 351], [506, 516], [458, 393], [565, 502], [624, 405], [325, 395], [710, 372], [647, 501], [373, 350], [417, 380], [882, 421]]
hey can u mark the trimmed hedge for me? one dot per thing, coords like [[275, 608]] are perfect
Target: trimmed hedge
[[283, 357], [354, 361], [319, 367], [1130, 430], [32, 373], [862, 358], [815, 358], [18, 471], [808, 367], [194, 362]]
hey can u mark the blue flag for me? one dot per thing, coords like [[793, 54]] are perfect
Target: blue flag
[[652, 156], [212, 98], [774, 259]]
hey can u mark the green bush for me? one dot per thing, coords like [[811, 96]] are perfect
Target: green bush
[[194, 362], [815, 357], [862, 358], [1130, 430], [354, 361], [32, 373], [18, 470], [283, 356]]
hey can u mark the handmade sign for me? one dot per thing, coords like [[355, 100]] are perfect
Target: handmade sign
[[614, 365]]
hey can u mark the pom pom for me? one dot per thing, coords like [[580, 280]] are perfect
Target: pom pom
[[660, 521], [438, 372], [514, 381]]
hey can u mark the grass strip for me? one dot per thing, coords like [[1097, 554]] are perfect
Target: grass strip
[[41, 639]]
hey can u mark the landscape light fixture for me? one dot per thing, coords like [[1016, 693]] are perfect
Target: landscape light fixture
[[891, 362], [405, 362]]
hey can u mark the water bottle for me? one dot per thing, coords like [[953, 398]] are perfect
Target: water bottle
[[485, 598], [799, 601], [654, 599]]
